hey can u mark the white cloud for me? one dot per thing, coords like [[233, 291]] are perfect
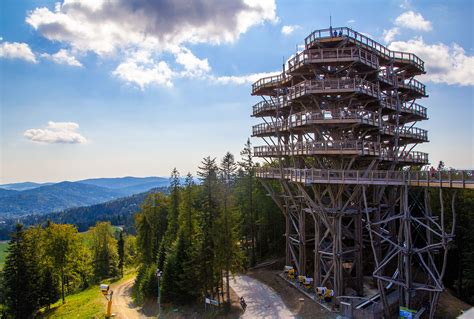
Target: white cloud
[[193, 66], [242, 79], [16, 50], [144, 74], [443, 63], [413, 20], [390, 34], [351, 21], [127, 28], [56, 132], [63, 57], [289, 29]]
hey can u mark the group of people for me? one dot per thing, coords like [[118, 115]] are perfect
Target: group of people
[[335, 34]]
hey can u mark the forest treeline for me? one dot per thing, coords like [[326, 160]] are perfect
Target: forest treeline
[[199, 234], [46, 263], [118, 212]]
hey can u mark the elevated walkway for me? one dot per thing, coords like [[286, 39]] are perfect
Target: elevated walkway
[[445, 179]]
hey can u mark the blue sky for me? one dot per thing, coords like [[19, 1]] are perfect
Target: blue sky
[[92, 89]]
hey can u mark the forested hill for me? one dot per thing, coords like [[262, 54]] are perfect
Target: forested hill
[[119, 212], [27, 198], [55, 197]]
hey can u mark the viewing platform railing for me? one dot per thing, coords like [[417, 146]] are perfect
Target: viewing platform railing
[[414, 85], [302, 119], [390, 102], [354, 147], [332, 55], [406, 132], [365, 41], [341, 147], [270, 82], [448, 179], [333, 85]]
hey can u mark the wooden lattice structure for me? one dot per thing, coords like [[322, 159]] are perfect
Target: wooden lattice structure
[[340, 133]]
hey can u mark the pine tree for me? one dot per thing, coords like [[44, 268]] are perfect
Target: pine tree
[[209, 209], [50, 292], [249, 213], [20, 291], [121, 253], [104, 250], [227, 172], [172, 229]]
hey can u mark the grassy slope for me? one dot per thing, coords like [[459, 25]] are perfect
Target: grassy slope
[[3, 253], [89, 303]]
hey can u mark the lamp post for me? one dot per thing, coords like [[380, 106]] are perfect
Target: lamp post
[[158, 275]]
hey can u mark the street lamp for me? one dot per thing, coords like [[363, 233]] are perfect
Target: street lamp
[[158, 274]]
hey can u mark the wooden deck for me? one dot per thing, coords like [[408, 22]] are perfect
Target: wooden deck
[[445, 179]]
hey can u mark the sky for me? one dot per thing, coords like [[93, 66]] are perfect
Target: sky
[[97, 88]]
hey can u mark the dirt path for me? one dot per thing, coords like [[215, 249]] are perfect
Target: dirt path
[[262, 301], [123, 305]]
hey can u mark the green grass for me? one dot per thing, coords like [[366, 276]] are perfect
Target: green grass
[[3, 253], [89, 303], [85, 304]]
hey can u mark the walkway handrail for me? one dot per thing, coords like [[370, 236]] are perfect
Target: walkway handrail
[[405, 131], [448, 178], [356, 84], [321, 55], [366, 41]]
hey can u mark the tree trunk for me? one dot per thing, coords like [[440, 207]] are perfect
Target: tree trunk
[[62, 284]]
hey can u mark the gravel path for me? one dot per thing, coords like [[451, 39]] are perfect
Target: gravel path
[[262, 301]]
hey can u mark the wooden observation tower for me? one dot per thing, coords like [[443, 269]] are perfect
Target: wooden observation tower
[[340, 131]]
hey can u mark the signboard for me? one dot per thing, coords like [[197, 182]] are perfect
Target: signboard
[[407, 313], [212, 302]]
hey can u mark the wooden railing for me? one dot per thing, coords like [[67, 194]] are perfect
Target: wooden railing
[[340, 147], [318, 117], [366, 42], [414, 85], [405, 157], [449, 179], [390, 102], [332, 54], [328, 85], [406, 132], [270, 82], [312, 148]]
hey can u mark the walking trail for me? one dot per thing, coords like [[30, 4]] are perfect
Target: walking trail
[[123, 305], [262, 301]]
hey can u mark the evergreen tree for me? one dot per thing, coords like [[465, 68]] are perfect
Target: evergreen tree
[[227, 249], [247, 201], [209, 210], [151, 224], [20, 278], [104, 250], [50, 292], [121, 253], [172, 229]]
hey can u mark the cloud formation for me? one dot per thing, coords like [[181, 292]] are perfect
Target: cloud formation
[[63, 57], [56, 132], [444, 64], [289, 29], [242, 79], [390, 34], [413, 20], [129, 28], [16, 50]]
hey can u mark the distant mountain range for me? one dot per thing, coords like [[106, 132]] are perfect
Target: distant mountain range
[[118, 211], [26, 198]]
